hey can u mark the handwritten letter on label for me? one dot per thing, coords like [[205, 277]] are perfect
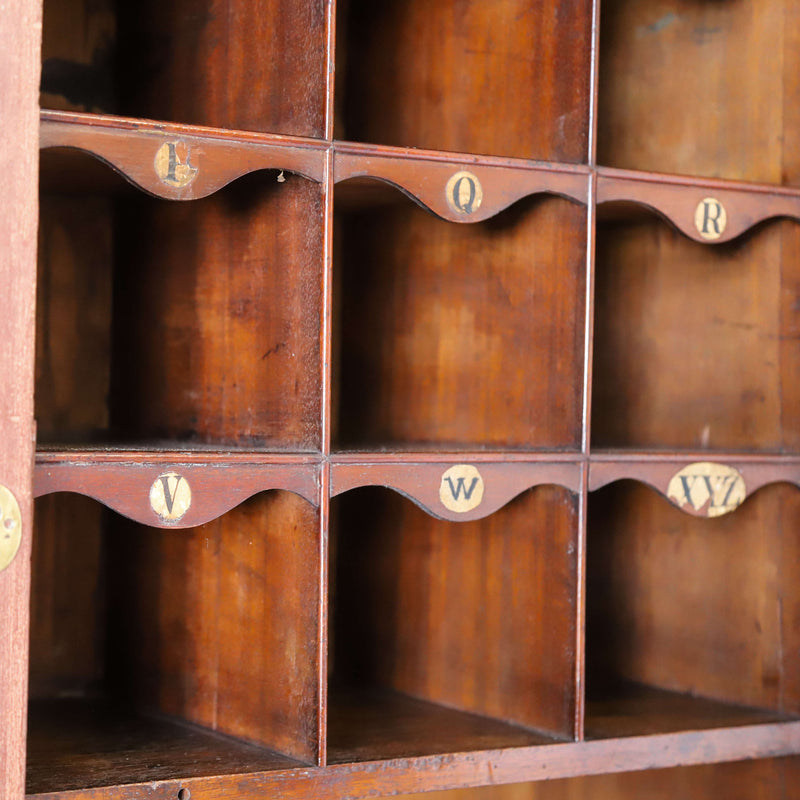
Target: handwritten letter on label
[[170, 496], [461, 489], [707, 490]]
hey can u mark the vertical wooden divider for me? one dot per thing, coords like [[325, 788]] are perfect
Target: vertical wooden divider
[[20, 30]]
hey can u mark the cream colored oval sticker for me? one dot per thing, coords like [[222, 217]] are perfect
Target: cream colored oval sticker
[[464, 193], [170, 496], [461, 489], [10, 527], [172, 164], [710, 218], [706, 489]]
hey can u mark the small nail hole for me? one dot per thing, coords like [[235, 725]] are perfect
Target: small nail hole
[[184, 794], [8, 523]]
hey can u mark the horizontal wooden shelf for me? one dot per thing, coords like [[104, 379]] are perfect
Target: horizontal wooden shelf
[[82, 744], [706, 210], [637, 710], [379, 725]]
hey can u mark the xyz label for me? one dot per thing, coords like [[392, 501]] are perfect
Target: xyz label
[[707, 490], [461, 488]]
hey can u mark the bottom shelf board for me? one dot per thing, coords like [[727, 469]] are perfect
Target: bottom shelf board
[[632, 709], [81, 744], [381, 725]]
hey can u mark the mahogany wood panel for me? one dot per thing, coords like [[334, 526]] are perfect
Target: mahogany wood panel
[[690, 345], [216, 488], [423, 176], [68, 604], [20, 32], [677, 199], [506, 78], [219, 625], [251, 65], [467, 336], [479, 616], [78, 52], [728, 126], [707, 606], [218, 317], [498, 483], [478, 768], [210, 158], [749, 780], [370, 725], [80, 744]]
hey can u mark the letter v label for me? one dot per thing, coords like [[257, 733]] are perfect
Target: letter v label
[[170, 496]]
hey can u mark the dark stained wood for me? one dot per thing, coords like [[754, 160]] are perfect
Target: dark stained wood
[[479, 616], [218, 156], [440, 336], [689, 349], [636, 710], [378, 725], [249, 65], [219, 625], [479, 768], [218, 317], [68, 608], [123, 482], [82, 744], [676, 198], [704, 606], [424, 177], [20, 33], [728, 126], [504, 78], [421, 482]]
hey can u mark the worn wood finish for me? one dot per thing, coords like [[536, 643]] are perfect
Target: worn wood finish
[[651, 52], [478, 616], [82, 744], [515, 75], [424, 483], [378, 725], [430, 314], [481, 767], [219, 624], [20, 32], [424, 176], [205, 353], [211, 158], [199, 63], [677, 199], [659, 601], [689, 349]]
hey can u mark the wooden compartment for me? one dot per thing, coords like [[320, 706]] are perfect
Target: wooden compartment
[[459, 336], [148, 645], [691, 623], [196, 322], [449, 637], [503, 78], [700, 88], [200, 63], [695, 344]]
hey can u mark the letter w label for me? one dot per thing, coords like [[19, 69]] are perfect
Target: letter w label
[[461, 488]]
